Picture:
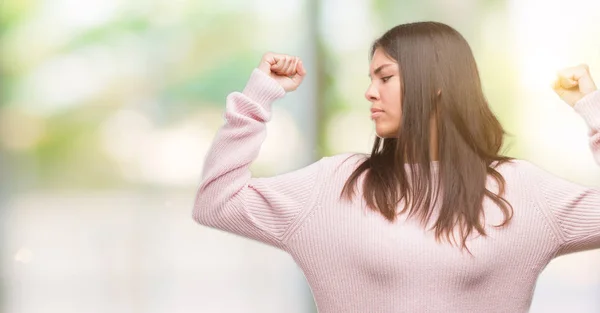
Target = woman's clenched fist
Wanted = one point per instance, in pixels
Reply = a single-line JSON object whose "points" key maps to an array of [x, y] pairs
{"points": [[287, 70], [574, 83]]}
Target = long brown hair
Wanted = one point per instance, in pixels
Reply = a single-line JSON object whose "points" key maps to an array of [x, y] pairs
{"points": [[431, 57]]}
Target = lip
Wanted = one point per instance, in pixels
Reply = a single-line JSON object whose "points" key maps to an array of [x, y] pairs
{"points": [[376, 112]]}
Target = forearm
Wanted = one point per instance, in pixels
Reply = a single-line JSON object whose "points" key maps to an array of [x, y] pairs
{"points": [[236, 145], [589, 108]]}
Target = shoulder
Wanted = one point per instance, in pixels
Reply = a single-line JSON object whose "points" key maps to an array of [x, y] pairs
{"points": [[344, 161], [340, 165], [527, 172], [515, 166]]}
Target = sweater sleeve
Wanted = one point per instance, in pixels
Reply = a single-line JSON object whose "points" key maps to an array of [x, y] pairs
{"points": [[589, 108], [573, 209], [228, 198]]}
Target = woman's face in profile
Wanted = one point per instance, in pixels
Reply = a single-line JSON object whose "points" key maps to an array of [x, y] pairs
{"points": [[384, 93]]}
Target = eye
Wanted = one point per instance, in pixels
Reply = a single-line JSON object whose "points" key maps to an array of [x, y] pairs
{"points": [[385, 79]]}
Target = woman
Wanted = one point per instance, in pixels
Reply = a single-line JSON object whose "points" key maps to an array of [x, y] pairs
{"points": [[434, 219]]}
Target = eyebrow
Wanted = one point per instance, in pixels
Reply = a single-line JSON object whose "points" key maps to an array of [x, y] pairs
{"points": [[377, 70]]}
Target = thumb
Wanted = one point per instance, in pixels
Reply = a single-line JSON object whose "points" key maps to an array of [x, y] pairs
{"points": [[567, 82]]}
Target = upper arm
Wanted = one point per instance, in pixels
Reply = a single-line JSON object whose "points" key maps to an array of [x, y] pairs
{"points": [[573, 208], [266, 208]]}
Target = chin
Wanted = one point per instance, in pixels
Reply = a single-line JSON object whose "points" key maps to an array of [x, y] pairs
{"points": [[386, 132]]}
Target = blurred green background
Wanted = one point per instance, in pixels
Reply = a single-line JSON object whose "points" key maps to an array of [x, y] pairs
{"points": [[108, 108]]}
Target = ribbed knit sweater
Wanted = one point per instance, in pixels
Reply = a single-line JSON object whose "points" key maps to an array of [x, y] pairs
{"points": [[357, 261]]}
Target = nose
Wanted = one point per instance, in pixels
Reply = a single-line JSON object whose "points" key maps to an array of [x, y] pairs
{"points": [[371, 94]]}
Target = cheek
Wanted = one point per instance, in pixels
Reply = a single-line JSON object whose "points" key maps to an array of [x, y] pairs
{"points": [[392, 101]]}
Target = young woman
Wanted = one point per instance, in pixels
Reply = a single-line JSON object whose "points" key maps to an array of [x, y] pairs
{"points": [[434, 219]]}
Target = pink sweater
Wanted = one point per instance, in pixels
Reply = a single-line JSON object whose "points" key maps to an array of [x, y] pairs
{"points": [[355, 260]]}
